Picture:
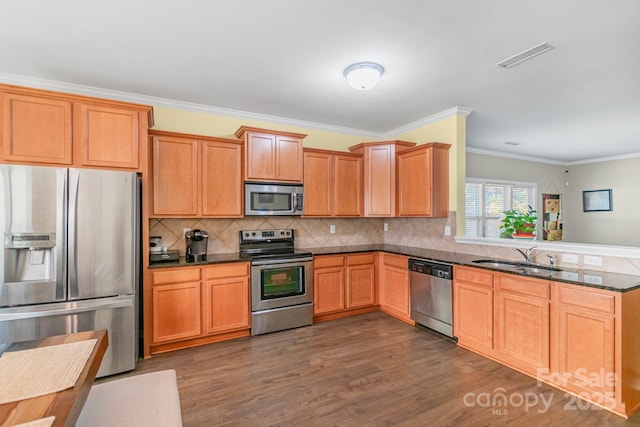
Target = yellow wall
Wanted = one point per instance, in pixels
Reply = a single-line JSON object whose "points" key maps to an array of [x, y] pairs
{"points": [[451, 130], [225, 126]]}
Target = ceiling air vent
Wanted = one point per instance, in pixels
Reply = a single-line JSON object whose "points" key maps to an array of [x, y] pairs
{"points": [[524, 55]]}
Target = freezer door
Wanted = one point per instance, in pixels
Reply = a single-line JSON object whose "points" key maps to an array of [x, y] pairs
{"points": [[116, 315], [103, 233], [33, 224]]}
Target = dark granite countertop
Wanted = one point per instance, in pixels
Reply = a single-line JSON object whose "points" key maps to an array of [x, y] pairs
{"points": [[595, 279]]}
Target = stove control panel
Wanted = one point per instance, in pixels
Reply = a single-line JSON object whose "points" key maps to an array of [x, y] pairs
{"points": [[262, 235]]}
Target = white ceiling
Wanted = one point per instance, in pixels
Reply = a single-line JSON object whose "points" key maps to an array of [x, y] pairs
{"points": [[285, 58]]}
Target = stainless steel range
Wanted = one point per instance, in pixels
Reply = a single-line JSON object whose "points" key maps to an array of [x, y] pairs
{"points": [[281, 280]]}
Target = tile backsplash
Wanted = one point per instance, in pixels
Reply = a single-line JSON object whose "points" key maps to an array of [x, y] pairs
{"points": [[315, 232], [309, 232]]}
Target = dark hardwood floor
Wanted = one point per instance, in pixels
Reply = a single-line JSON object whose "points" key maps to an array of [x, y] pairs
{"points": [[367, 370]]}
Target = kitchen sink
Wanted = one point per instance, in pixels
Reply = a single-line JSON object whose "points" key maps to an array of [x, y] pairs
{"points": [[523, 267]]}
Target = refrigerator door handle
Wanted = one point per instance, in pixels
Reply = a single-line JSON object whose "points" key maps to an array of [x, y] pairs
{"points": [[61, 239], [72, 272], [67, 309]]}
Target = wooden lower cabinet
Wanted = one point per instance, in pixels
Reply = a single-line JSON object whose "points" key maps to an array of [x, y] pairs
{"points": [[226, 298], [394, 286], [343, 285], [178, 311], [585, 326], [199, 305], [473, 308], [522, 322], [580, 339]]}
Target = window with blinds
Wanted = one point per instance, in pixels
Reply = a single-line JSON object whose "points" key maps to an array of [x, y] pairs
{"points": [[485, 200]]}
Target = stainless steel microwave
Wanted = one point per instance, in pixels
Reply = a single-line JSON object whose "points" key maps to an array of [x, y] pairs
{"points": [[273, 199]]}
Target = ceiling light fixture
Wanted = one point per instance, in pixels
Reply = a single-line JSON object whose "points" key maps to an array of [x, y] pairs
{"points": [[363, 75], [524, 55]]}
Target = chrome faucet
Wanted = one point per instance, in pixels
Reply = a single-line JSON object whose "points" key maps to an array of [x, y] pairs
{"points": [[552, 260], [527, 254]]}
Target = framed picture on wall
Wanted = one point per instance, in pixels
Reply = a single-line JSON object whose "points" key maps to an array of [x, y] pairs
{"points": [[596, 200]]}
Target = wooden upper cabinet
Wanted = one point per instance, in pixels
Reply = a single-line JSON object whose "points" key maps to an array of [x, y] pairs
{"points": [[348, 186], [108, 136], [271, 155], [380, 175], [36, 129], [40, 126], [423, 181], [196, 176], [318, 183], [174, 163], [221, 178], [289, 164], [332, 183]]}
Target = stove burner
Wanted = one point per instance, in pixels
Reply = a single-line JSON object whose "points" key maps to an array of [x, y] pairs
{"points": [[269, 244]]}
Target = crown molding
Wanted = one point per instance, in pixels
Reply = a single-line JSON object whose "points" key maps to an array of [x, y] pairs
{"points": [[476, 150], [604, 159], [451, 112], [513, 156], [201, 108]]}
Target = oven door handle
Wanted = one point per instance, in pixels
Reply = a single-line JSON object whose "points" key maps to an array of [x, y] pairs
{"points": [[282, 261]]}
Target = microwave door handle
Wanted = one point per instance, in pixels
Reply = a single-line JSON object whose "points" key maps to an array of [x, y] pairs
{"points": [[294, 202]]}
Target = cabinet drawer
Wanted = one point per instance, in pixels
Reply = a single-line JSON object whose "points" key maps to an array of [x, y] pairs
{"points": [[328, 261], [516, 284], [176, 276], [473, 275], [396, 261], [589, 299], [360, 259], [227, 270]]}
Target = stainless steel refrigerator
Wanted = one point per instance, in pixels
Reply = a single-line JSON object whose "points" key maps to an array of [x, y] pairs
{"points": [[70, 257]]}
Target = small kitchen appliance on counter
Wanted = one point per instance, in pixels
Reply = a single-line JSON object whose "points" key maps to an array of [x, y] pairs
{"points": [[196, 245], [155, 244], [164, 256]]}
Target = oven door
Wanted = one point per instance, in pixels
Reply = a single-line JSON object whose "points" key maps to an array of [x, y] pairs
{"points": [[281, 283]]}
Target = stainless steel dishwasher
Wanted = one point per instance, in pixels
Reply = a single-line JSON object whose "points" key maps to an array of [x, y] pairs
{"points": [[431, 294]]}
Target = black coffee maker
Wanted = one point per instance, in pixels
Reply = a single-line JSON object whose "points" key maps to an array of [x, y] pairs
{"points": [[196, 245]]}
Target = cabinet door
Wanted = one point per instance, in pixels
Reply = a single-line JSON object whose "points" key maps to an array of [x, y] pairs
{"points": [[36, 129], [394, 286], [360, 288], [522, 331], [221, 179], [260, 157], [226, 304], [289, 163], [107, 136], [379, 181], [317, 184], [586, 350], [473, 315], [414, 183], [175, 176], [176, 311], [328, 290], [348, 186]]}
